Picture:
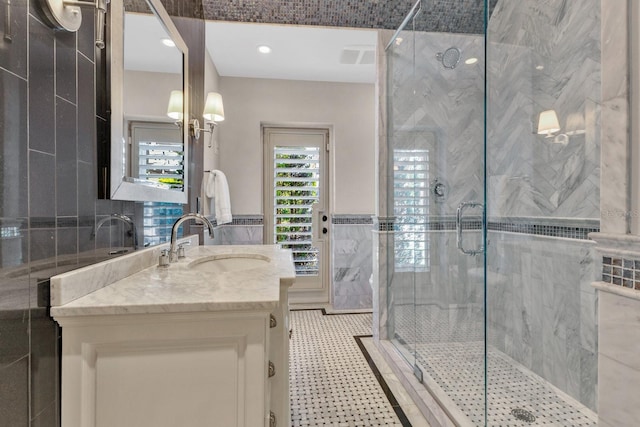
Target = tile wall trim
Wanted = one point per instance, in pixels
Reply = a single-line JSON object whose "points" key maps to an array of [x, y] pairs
{"points": [[564, 230], [242, 220], [621, 271], [551, 227], [352, 219]]}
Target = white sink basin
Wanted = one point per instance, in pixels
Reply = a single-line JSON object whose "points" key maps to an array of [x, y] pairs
{"points": [[224, 263]]}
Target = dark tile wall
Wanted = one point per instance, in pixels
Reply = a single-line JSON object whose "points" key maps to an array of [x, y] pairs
{"points": [[53, 114]]}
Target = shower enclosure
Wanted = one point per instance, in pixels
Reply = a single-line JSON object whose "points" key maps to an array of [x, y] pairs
{"points": [[488, 263]]}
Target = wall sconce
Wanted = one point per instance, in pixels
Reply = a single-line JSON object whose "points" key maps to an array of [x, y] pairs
{"points": [[213, 112], [548, 123], [67, 15], [175, 108]]}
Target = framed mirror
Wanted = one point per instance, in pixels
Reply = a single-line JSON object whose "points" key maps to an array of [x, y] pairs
{"points": [[148, 64]]}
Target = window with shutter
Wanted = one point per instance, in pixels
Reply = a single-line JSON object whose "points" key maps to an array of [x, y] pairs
{"points": [[411, 208], [158, 154]]}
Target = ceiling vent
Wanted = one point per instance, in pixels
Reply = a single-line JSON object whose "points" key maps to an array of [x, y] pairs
{"points": [[358, 55]]}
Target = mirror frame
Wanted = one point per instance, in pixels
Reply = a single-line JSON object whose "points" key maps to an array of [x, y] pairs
{"points": [[120, 187]]}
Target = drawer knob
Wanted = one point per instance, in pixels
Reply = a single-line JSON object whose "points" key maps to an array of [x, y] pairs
{"points": [[272, 369], [272, 419], [272, 321]]}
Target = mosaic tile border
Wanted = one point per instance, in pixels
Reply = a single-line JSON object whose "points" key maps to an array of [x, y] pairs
{"points": [[243, 220], [352, 219], [552, 227], [621, 272], [460, 16], [569, 232]]}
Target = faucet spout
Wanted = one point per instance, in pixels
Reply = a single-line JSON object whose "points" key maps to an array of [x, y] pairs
{"points": [[122, 218], [173, 250]]}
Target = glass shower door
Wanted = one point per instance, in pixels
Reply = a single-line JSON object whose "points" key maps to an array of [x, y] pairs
{"points": [[435, 193]]}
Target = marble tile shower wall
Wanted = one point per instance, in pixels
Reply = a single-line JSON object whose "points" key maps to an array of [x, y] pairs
{"points": [[430, 116], [351, 261], [540, 305], [541, 308], [543, 58]]}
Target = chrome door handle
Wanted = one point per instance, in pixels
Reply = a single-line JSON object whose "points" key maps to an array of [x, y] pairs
{"points": [[461, 207]]}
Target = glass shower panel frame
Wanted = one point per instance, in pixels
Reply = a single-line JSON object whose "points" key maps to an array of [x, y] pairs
{"points": [[402, 172]]}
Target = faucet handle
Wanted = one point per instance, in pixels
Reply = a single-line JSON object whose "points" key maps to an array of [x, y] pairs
{"points": [[181, 246], [163, 261]]}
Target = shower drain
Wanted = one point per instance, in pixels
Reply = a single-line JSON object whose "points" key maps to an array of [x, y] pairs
{"points": [[523, 415]]}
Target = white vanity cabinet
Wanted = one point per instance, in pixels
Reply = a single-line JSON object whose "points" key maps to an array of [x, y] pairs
{"points": [[175, 364]]}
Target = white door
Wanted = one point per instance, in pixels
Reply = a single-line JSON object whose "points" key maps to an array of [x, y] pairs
{"points": [[296, 205]]}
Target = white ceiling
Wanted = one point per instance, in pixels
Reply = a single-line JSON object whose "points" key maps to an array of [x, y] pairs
{"points": [[298, 52], [143, 48]]}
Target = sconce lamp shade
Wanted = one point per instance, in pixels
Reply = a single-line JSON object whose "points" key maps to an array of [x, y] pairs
{"points": [[575, 124], [548, 123], [213, 108], [176, 105]]}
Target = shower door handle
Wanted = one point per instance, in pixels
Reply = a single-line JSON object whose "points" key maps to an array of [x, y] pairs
{"points": [[461, 207]]}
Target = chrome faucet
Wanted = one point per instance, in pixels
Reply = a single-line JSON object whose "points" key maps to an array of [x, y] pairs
{"points": [[173, 251], [123, 218]]}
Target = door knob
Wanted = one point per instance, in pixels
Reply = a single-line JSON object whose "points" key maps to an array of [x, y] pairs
{"points": [[324, 230], [324, 217]]}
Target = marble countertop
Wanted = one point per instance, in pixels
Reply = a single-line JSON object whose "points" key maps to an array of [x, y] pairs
{"points": [[178, 288]]}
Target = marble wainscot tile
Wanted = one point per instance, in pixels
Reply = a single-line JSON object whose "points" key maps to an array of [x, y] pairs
{"points": [[379, 285], [75, 284], [240, 234], [619, 346], [352, 266], [620, 325], [181, 288], [541, 307]]}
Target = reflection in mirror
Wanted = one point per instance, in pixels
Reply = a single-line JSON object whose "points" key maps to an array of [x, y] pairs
{"points": [[148, 154]]}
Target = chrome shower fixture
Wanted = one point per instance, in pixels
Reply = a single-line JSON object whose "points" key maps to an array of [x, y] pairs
{"points": [[449, 58]]}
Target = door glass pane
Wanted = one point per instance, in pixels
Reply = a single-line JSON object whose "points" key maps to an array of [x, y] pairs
{"points": [[296, 188]]}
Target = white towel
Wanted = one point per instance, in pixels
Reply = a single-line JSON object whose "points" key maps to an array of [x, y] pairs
{"points": [[205, 190], [218, 188]]}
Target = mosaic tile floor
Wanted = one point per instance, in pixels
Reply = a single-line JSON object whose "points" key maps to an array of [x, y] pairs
{"points": [[454, 359], [331, 383]]}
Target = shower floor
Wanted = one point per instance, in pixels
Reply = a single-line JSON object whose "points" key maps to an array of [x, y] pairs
{"points": [[453, 359]]}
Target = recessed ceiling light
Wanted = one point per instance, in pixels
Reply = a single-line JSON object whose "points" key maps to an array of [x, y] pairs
{"points": [[168, 42], [539, 67], [264, 49], [471, 61]]}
